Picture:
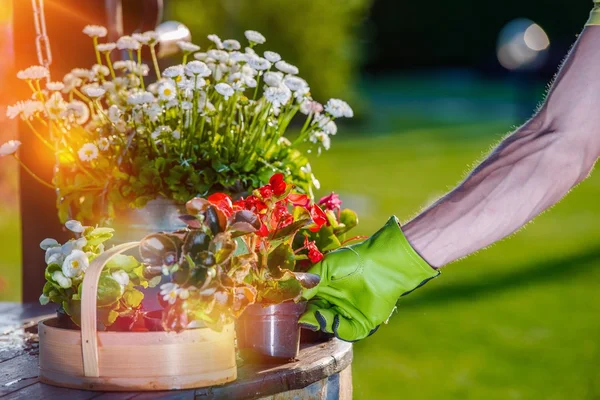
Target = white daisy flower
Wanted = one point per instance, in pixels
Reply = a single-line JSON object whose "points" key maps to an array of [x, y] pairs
{"points": [[54, 255], [216, 40], [231, 44], [272, 56], [140, 97], [26, 109], [330, 128], [166, 91], [79, 111], [103, 144], [283, 141], [187, 47], [218, 55], [128, 43], [55, 86], [95, 31], [114, 114], [93, 91], [154, 111], [33, 72], [176, 134], [278, 96], [9, 148], [250, 51], [323, 138], [174, 71], [237, 57], [75, 264], [225, 90], [122, 277], [62, 280], [197, 68], [259, 63], [200, 56], [48, 243], [83, 73], [338, 108], [98, 69], [309, 106], [255, 37], [56, 106], [151, 37], [106, 47], [88, 152], [170, 292], [286, 67], [294, 83]]}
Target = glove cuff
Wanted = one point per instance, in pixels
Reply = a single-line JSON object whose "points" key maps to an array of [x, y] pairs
{"points": [[411, 269], [594, 15]]}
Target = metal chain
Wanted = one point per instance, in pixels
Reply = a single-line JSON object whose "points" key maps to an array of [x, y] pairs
{"points": [[42, 43]]}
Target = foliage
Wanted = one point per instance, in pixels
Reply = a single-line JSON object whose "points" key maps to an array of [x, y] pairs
{"points": [[216, 123], [233, 254], [118, 293]]}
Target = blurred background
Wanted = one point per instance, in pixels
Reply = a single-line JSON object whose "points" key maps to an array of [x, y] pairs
{"points": [[434, 85]]}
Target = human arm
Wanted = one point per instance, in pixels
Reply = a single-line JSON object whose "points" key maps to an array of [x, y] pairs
{"points": [[528, 172]]}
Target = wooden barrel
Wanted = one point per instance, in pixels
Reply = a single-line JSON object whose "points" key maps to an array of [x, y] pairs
{"points": [[132, 361]]}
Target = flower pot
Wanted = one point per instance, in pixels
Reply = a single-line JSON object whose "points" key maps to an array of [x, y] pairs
{"points": [[131, 361], [270, 332]]}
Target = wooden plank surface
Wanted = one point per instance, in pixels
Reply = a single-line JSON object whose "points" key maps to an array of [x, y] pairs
{"points": [[316, 362]]}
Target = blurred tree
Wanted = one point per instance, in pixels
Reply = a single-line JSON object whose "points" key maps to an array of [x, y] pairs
{"points": [[318, 36]]}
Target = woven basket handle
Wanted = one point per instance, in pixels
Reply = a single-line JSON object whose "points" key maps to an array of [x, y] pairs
{"points": [[89, 291]]}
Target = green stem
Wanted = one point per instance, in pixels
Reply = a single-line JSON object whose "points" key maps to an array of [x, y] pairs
{"points": [[98, 58], [32, 174], [110, 66], [155, 61]]}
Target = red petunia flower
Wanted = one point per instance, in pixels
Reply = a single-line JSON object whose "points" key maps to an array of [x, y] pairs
{"points": [[222, 202], [314, 254], [278, 184], [318, 216], [331, 202]]}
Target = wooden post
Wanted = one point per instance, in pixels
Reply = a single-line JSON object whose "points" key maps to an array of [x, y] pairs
{"points": [[65, 20]]}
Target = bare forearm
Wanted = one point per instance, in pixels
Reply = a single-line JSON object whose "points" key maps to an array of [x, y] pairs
{"points": [[528, 172]]}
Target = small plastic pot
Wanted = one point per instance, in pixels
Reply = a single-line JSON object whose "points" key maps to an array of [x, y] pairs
{"points": [[272, 333]]}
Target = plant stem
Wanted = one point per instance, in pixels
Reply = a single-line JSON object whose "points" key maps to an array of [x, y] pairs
{"points": [[110, 66], [98, 58], [155, 61], [32, 174]]}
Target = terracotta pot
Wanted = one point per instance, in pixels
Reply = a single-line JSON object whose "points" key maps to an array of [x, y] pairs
{"points": [[270, 332]]}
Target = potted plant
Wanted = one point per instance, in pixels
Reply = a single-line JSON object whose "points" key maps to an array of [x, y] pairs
{"points": [[217, 122], [119, 298], [285, 233]]}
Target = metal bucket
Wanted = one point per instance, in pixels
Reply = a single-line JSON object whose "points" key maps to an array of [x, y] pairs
{"points": [[271, 331]]}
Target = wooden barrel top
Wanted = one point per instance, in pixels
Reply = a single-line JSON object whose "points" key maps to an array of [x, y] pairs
{"points": [[19, 367]]}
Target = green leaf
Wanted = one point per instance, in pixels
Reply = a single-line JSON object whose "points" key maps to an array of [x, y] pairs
{"points": [[326, 239], [133, 298], [223, 247], [106, 316], [291, 229], [109, 291], [349, 219], [50, 269], [122, 262], [281, 258]]}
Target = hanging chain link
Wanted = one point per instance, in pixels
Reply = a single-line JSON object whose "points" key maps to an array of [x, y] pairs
{"points": [[42, 43]]}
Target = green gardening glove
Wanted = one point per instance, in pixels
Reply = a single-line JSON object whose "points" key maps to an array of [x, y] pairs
{"points": [[360, 284]]}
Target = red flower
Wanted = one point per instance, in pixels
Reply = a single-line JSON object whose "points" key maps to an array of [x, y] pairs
{"points": [[263, 231], [318, 216], [300, 200], [331, 202], [314, 254], [281, 216], [278, 184], [251, 203], [222, 202], [266, 192]]}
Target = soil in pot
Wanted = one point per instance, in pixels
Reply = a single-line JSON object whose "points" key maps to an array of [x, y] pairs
{"points": [[270, 334]]}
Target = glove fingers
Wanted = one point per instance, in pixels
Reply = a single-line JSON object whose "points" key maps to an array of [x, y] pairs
{"points": [[309, 318], [349, 330]]}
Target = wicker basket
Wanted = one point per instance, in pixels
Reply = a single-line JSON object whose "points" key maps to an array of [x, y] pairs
{"points": [[132, 361]]}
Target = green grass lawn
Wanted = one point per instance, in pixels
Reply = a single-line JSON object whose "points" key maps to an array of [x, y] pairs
{"points": [[516, 321]]}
